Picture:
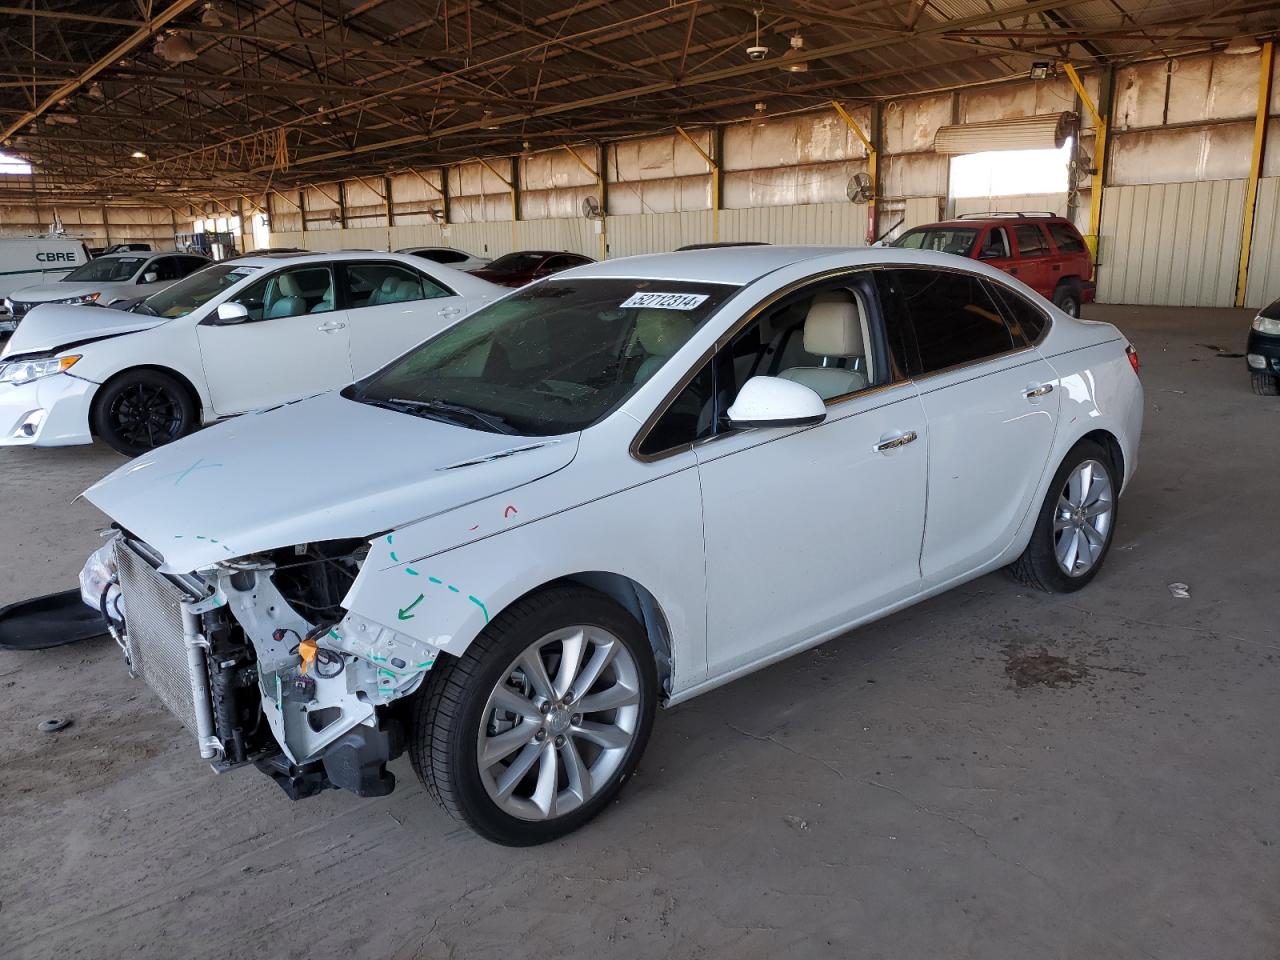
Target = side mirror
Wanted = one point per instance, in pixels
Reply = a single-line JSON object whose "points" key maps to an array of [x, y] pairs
{"points": [[230, 313], [774, 402], [150, 277]]}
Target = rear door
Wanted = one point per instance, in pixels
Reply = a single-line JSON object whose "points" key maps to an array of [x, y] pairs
{"points": [[1036, 262], [992, 411], [392, 307], [293, 344]]}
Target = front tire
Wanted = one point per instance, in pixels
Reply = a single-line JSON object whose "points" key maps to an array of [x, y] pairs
{"points": [[139, 410], [1265, 384], [537, 726], [1076, 523]]}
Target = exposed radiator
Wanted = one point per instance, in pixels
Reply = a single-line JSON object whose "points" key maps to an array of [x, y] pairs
{"points": [[154, 633]]}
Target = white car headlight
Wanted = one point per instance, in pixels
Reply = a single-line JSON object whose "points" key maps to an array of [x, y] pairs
{"points": [[85, 298], [24, 371], [1267, 325]]}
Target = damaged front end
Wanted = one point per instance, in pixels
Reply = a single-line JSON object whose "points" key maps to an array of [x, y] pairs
{"points": [[258, 658]]}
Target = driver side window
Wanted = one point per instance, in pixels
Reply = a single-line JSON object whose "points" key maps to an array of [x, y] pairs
{"points": [[822, 336], [289, 293]]}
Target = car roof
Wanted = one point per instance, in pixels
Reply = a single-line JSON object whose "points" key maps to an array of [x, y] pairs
{"points": [[132, 254], [735, 265], [320, 256], [996, 220]]}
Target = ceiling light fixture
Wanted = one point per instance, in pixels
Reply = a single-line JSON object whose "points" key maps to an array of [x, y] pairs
{"points": [[790, 61], [175, 48], [1243, 45], [211, 16], [1041, 70], [138, 155], [487, 121], [758, 51]]}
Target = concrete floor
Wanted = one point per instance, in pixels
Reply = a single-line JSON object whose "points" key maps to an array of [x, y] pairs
{"points": [[891, 794]]}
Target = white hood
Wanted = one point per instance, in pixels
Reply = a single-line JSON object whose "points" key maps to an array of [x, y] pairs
{"points": [[62, 290], [326, 468], [52, 325]]}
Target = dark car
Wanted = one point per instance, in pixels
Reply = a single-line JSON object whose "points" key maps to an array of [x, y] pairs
{"points": [[1044, 251], [1263, 352], [722, 243], [525, 266]]}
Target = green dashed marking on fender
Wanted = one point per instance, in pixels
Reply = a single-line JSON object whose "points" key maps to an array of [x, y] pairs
{"points": [[453, 589], [423, 665], [377, 659], [435, 579], [410, 571], [394, 558], [483, 608]]}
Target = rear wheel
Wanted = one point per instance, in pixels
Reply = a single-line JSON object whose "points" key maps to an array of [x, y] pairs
{"points": [[1067, 298], [1076, 523], [1265, 384], [532, 731], [143, 409]]}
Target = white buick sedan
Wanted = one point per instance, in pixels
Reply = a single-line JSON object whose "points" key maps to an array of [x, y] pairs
{"points": [[236, 336], [618, 487]]}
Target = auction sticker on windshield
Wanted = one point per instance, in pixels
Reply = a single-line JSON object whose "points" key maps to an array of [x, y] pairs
{"points": [[665, 301]]}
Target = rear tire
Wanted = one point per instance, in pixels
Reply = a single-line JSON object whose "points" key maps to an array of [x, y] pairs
{"points": [[1265, 384], [139, 410], [1067, 298], [516, 752], [1076, 523]]}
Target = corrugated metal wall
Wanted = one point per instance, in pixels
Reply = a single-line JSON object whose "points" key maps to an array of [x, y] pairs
{"points": [[1172, 210], [1264, 256], [1171, 244]]}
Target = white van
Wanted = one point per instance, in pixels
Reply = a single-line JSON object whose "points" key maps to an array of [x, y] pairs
{"points": [[28, 260]]}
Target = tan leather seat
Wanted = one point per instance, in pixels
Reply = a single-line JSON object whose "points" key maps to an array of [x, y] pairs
{"points": [[661, 333], [835, 328]]}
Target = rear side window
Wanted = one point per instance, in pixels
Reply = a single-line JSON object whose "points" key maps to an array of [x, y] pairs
{"points": [[1024, 319], [1067, 239], [953, 316], [1031, 241]]}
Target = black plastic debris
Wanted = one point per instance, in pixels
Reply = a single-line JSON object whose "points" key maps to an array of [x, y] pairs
{"points": [[49, 621]]}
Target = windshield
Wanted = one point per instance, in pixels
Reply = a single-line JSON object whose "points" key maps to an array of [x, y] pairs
{"points": [[517, 262], [105, 270], [195, 290], [553, 358], [958, 240]]}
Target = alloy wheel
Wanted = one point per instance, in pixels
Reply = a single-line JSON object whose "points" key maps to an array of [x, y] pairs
{"points": [[559, 723], [146, 415], [1082, 518]]}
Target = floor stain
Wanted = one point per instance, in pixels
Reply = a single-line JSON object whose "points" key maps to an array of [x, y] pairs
{"points": [[1044, 669]]}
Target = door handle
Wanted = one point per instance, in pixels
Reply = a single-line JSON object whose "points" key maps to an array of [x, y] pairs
{"points": [[1036, 390], [892, 441], [332, 326], [450, 312]]}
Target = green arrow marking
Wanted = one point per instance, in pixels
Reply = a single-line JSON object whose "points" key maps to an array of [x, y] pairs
{"points": [[404, 613]]}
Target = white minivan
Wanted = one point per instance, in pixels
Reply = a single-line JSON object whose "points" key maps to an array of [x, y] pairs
{"points": [[28, 260]]}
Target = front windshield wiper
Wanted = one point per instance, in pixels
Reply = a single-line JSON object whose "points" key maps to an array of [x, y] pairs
{"points": [[427, 407], [141, 307]]}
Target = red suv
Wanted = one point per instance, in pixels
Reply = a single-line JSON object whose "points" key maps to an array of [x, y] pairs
{"points": [[1044, 251]]}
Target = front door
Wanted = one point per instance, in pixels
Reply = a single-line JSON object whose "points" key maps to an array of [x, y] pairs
{"points": [[809, 529], [1036, 261], [293, 344]]}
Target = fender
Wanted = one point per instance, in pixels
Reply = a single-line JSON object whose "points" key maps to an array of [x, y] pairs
{"points": [[527, 538]]}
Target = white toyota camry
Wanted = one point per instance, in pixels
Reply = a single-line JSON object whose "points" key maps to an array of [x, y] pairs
{"points": [[236, 336], [615, 488]]}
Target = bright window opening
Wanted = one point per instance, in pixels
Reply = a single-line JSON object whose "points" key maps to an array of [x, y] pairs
{"points": [[11, 166], [1006, 173]]}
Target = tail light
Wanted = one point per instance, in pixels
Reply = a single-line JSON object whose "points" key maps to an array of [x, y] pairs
{"points": [[1132, 353]]}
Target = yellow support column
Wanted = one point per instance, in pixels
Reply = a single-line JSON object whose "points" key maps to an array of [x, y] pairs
{"points": [[1266, 62], [872, 167], [1100, 128], [604, 243], [715, 184]]}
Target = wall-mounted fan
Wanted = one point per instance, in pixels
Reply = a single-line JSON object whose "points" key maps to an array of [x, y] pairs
{"points": [[859, 189], [591, 209]]}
